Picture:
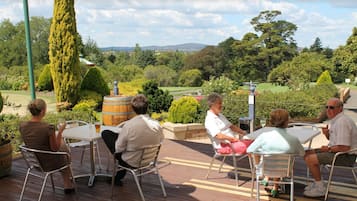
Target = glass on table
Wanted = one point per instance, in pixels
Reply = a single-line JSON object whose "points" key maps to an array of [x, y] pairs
{"points": [[97, 126], [60, 122]]}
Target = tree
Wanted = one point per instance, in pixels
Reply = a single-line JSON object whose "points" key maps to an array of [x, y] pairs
{"points": [[63, 53], [316, 46], [158, 99], [190, 78], [92, 52], [276, 39], [300, 71], [146, 58], [345, 58], [210, 61], [163, 75], [12, 47], [40, 31]]}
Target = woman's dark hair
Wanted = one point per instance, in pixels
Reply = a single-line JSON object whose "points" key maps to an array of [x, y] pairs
{"points": [[139, 104], [36, 106]]}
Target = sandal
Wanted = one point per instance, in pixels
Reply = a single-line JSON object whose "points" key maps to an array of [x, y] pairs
{"points": [[264, 182], [274, 193]]}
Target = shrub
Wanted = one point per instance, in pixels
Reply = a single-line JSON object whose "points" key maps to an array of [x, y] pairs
{"points": [[87, 95], [159, 100], [190, 78], [1, 102], [45, 80], [184, 110], [85, 105], [324, 78], [221, 85], [94, 81]]}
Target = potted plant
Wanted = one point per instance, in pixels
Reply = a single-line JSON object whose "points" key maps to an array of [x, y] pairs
{"points": [[5, 151], [5, 145]]}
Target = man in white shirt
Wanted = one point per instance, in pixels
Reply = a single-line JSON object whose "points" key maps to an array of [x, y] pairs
{"points": [[136, 133], [342, 135]]}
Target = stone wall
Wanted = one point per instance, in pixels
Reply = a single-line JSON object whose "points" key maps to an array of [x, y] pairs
{"points": [[184, 131]]}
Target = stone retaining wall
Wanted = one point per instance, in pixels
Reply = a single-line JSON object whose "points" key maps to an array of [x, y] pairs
{"points": [[183, 131]]}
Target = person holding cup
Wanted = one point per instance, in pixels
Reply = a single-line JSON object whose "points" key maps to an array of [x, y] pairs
{"points": [[41, 135], [342, 135]]}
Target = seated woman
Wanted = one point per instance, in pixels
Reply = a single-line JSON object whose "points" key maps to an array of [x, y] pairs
{"points": [[41, 135], [218, 126], [276, 141]]}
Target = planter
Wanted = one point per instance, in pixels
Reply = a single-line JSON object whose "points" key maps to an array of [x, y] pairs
{"points": [[5, 159], [183, 131]]}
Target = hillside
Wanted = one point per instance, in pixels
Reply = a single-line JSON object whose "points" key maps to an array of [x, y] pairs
{"points": [[186, 47]]}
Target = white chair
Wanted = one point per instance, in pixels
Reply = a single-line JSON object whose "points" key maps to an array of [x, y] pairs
{"points": [[235, 156], [332, 167], [148, 164], [35, 168], [273, 166], [85, 145]]}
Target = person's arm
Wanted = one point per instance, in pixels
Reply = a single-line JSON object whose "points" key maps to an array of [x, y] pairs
{"points": [[221, 136], [336, 148], [238, 130], [56, 140], [326, 132]]}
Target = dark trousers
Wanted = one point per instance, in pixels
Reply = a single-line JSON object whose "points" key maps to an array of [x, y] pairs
{"points": [[109, 138]]}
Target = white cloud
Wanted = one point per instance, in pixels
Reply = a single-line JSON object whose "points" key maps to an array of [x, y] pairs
{"points": [[161, 22]]}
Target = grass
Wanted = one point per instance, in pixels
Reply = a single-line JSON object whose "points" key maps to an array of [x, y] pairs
{"points": [[22, 98], [268, 87]]}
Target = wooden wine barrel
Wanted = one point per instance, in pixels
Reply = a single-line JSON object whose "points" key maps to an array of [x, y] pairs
{"points": [[116, 109], [5, 159]]}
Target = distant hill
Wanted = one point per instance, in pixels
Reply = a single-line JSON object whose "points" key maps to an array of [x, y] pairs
{"points": [[186, 47]]}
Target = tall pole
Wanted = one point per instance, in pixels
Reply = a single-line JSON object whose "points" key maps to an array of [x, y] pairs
{"points": [[251, 105], [29, 50]]}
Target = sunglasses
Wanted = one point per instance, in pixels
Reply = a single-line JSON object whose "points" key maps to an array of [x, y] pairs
{"points": [[330, 107]]}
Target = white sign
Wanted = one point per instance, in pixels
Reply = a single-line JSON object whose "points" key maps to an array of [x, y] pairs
{"points": [[251, 99]]}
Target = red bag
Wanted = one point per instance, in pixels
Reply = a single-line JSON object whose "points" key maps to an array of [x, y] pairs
{"points": [[240, 147]]}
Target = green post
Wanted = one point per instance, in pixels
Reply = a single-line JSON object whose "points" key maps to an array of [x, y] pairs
{"points": [[29, 50]]}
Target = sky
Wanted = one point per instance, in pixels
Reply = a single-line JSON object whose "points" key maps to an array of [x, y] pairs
{"points": [[171, 22]]}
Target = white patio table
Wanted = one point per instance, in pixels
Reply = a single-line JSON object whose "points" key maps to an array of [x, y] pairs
{"points": [[87, 133]]}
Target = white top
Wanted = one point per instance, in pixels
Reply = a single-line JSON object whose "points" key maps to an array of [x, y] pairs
{"points": [[303, 134], [343, 131], [215, 124]]}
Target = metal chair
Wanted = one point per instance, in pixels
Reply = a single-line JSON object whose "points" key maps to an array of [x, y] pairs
{"points": [[148, 164], [82, 144], [305, 125], [35, 168], [273, 166], [232, 154], [308, 147], [331, 167]]}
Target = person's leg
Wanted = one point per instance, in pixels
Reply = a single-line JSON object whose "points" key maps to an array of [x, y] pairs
{"points": [[109, 138], [313, 164], [67, 180], [313, 160]]}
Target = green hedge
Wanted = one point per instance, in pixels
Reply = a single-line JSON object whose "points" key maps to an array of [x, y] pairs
{"points": [[307, 105]]}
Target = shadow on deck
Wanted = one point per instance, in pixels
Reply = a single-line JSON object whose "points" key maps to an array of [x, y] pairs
{"points": [[184, 180]]}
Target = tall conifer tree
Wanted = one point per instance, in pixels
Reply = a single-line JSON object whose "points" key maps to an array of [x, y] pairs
{"points": [[63, 52]]}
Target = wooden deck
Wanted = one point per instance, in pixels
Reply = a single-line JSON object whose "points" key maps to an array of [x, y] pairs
{"points": [[184, 180]]}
